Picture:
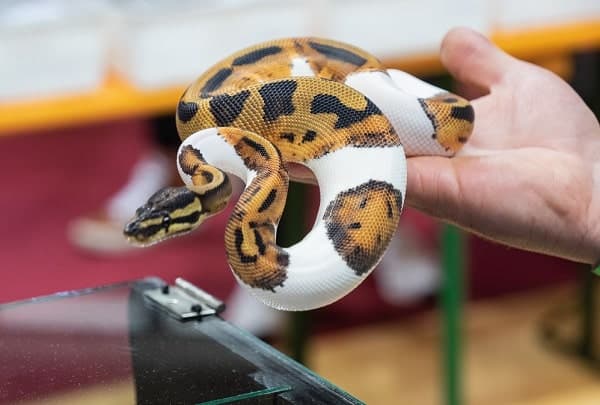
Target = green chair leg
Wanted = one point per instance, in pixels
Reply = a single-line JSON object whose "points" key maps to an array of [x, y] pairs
{"points": [[453, 265], [290, 231], [588, 348]]}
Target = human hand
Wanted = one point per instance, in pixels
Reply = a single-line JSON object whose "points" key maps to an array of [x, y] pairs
{"points": [[529, 177]]}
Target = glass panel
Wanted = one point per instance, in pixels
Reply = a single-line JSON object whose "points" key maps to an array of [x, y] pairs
{"points": [[109, 345], [61, 347]]}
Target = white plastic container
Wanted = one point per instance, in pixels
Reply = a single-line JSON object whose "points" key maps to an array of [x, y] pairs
{"points": [[393, 28], [519, 14], [166, 45], [52, 48]]}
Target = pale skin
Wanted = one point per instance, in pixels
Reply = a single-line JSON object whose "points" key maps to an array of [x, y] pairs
{"points": [[529, 176]]}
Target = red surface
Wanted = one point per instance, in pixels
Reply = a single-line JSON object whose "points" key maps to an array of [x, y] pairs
{"points": [[48, 179]]}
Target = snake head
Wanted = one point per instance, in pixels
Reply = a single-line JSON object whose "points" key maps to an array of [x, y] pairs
{"points": [[169, 212]]}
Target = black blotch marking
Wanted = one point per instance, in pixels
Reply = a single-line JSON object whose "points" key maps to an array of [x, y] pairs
{"points": [[208, 176], [208, 198], [337, 233], [268, 201], [171, 198], [355, 225], [267, 225], [215, 82], [359, 259], [463, 139], [434, 136], [298, 46], [277, 99], [238, 214], [255, 56], [187, 168], [252, 191], [226, 108], [148, 231], [390, 210], [289, 136], [309, 136], [463, 113], [329, 210], [333, 52], [188, 219], [369, 139], [257, 147], [239, 239], [186, 110], [429, 114], [329, 104], [259, 243], [278, 152], [450, 100], [283, 259]]}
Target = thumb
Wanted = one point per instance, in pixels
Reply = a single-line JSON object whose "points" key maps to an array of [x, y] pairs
{"points": [[472, 59]]}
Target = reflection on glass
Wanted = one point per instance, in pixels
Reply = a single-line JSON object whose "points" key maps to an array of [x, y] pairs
{"points": [[109, 346]]}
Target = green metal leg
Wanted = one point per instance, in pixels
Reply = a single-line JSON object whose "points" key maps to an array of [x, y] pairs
{"points": [[290, 231], [588, 310], [453, 265]]}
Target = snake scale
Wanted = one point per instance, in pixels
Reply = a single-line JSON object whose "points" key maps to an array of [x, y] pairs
{"points": [[329, 106]]}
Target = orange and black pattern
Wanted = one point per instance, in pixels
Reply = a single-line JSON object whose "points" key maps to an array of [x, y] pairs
{"points": [[211, 184], [250, 242], [270, 117], [272, 61], [452, 117], [304, 117], [361, 222]]}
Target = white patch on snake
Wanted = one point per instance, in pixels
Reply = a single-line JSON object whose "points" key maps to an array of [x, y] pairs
{"points": [[217, 152], [413, 85], [349, 167], [317, 275], [402, 109], [301, 67]]}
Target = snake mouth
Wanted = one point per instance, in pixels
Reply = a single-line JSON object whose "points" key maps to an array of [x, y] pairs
{"points": [[144, 236], [135, 234]]}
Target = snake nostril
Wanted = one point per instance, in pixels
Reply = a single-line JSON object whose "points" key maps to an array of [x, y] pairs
{"points": [[131, 228]]}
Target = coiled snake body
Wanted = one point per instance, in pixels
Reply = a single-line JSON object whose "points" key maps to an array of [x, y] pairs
{"points": [[323, 104]]}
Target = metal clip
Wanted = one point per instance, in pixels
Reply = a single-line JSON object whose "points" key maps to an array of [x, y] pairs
{"points": [[185, 301]]}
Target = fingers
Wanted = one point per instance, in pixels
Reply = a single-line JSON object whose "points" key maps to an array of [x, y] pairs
{"points": [[473, 59], [432, 186]]}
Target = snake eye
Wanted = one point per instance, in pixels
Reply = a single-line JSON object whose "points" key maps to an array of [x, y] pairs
{"points": [[166, 220]]}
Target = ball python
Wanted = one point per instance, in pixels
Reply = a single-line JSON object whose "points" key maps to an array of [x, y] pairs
{"points": [[329, 106]]}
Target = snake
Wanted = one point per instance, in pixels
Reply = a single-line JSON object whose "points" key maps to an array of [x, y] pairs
{"points": [[322, 104]]}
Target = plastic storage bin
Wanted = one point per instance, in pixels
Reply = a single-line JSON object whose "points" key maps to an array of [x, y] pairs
{"points": [[518, 14], [164, 45], [50, 48]]}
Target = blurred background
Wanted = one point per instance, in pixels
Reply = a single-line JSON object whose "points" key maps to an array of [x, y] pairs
{"points": [[88, 92]]}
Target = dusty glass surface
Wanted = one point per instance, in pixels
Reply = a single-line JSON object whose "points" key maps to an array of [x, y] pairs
{"points": [[109, 345]]}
